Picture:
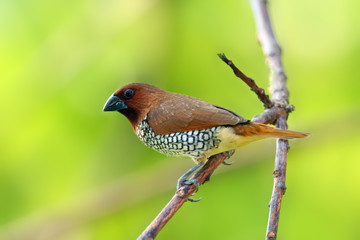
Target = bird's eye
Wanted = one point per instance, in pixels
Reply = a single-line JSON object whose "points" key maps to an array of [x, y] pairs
{"points": [[128, 93]]}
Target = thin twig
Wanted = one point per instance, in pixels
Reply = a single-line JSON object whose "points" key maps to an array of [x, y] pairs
{"points": [[269, 116], [280, 96], [260, 92], [181, 196]]}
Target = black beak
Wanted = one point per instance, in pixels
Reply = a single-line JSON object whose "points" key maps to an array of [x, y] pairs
{"points": [[114, 103]]}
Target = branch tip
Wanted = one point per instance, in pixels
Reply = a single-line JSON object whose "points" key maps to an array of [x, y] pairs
{"points": [[223, 57], [289, 108], [260, 92], [271, 236]]}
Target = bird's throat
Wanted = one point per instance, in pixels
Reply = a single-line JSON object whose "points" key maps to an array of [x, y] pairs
{"points": [[133, 116]]}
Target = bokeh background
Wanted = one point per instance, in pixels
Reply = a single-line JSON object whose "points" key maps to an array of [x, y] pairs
{"points": [[72, 172]]}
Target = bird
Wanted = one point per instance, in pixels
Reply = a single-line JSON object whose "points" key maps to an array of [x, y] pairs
{"points": [[180, 125]]}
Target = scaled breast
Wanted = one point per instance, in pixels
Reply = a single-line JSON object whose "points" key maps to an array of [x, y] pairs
{"points": [[191, 143]]}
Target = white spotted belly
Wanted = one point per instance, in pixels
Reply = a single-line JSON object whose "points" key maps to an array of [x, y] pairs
{"points": [[195, 144]]}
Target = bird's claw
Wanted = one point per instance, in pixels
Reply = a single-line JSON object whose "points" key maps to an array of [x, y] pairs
{"points": [[194, 200], [227, 163], [189, 182], [193, 181], [229, 153], [182, 182]]}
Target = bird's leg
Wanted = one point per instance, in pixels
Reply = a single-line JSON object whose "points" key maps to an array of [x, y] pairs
{"points": [[184, 181], [229, 154]]}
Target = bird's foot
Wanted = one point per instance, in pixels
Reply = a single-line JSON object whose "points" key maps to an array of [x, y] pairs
{"points": [[188, 182], [184, 181], [229, 154]]}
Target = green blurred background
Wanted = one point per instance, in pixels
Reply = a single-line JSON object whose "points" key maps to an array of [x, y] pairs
{"points": [[70, 171]]}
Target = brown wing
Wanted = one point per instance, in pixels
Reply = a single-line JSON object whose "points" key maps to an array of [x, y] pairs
{"points": [[181, 113]]}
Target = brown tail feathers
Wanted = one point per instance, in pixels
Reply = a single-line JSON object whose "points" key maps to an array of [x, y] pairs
{"points": [[262, 130]]}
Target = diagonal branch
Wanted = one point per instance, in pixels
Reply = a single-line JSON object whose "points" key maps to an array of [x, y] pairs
{"points": [[280, 96], [260, 92], [181, 196]]}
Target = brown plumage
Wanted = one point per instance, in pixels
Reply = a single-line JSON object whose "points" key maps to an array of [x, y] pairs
{"points": [[155, 114], [169, 112]]}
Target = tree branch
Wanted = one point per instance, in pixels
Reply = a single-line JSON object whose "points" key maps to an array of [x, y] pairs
{"points": [[181, 196], [280, 96], [260, 92]]}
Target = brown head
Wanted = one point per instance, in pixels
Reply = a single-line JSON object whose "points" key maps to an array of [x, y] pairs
{"points": [[134, 101]]}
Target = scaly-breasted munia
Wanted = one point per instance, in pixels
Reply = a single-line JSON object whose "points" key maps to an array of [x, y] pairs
{"points": [[180, 125]]}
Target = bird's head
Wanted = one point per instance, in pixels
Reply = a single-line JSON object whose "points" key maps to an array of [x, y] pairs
{"points": [[134, 101]]}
